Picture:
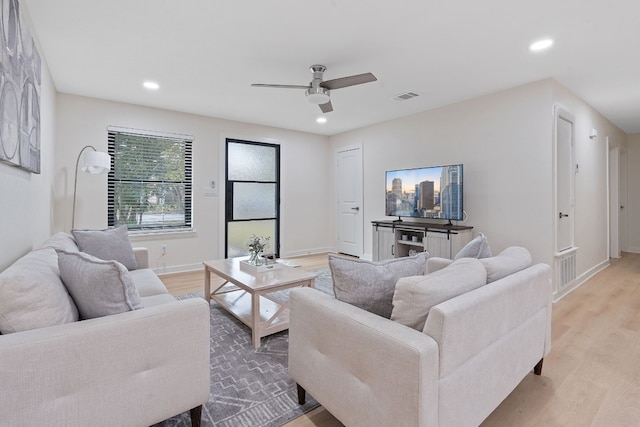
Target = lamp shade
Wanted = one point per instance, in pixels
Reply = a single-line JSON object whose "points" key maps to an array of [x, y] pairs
{"points": [[96, 162]]}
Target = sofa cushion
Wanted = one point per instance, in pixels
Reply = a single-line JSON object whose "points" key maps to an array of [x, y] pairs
{"points": [[61, 240], [153, 300], [109, 244], [32, 295], [98, 287], [370, 285], [476, 248], [509, 261], [147, 282], [414, 296]]}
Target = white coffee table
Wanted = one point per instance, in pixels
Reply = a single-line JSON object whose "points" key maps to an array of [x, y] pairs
{"points": [[247, 296]]}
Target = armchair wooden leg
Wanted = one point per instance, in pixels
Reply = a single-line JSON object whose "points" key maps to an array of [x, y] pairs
{"points": [[538, 368], [196, 416], [302, 394]]}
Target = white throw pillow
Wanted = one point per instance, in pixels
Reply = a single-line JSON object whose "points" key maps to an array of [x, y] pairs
{"points": [[509, 261], [477, 248], [109, 244], [414, 296], [370, 285], [98, 287]]}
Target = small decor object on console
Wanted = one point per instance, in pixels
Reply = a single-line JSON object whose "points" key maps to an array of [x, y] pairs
{"points": [[257, 245]]}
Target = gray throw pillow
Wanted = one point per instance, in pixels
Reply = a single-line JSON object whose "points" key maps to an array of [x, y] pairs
{"points": [[477, 248], [32, 294], [414, 296], [370, 285], [109, 244], [98, 287]]}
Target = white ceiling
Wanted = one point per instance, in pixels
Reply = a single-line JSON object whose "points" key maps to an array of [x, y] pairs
{"points": [[206, 53]]}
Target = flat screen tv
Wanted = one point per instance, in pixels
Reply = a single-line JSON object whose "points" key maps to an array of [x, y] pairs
{"points": [[430, 192]]}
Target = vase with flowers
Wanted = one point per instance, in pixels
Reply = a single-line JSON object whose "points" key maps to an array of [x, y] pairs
{"points": [[256, 245]]}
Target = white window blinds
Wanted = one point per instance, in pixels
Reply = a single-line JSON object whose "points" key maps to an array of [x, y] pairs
{"points": [[149, 185]]}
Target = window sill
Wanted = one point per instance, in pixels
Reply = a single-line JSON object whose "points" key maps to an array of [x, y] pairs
{"points": [[161, 234]]}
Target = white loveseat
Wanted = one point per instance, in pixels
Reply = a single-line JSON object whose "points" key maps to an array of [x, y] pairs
{"points": [[474, 350], [134, 368]]}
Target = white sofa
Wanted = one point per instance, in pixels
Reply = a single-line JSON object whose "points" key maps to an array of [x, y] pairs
{"points": [[135, 368], [474, 350]]}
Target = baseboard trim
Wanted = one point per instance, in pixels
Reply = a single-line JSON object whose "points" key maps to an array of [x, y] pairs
{"points": [[306, 252], [178, 269], [582, 279]]}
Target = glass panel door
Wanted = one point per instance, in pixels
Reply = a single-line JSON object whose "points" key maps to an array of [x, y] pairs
{"points": [[252, 202]]}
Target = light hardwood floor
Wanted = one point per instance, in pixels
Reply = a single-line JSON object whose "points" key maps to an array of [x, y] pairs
{"points": [[592, 375]]}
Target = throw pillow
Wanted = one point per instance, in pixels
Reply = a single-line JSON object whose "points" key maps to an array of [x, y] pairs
{"points": [[32, 295], [109, 244], [477, 248], [414, 296], [509, 261], [98, 287], [370, 285]]}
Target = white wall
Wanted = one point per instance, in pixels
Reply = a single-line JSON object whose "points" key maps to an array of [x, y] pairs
{"points": [[633, 202], [25, 198], [591, 193], [305, 172], [503, 140]]}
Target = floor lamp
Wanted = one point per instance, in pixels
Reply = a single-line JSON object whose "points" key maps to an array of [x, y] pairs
{"points": [[95, 162]]}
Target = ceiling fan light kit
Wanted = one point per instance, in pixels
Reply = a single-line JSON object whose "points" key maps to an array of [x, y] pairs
{"points": [[317, 91], [317, 95]]}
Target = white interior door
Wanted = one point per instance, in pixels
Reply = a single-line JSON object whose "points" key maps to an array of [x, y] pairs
{"points": [[349, 193], [614, 202], [564, 180]]}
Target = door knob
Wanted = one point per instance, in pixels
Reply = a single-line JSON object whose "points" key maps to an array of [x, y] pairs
{"points": [[357, 208], [561, 215]]}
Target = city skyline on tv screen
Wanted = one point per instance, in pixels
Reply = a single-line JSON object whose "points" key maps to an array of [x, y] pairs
{"points": [[431, 192]]}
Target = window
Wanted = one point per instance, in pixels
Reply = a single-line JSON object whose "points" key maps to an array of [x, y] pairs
{"points": [[149, 184], [252, 202]]}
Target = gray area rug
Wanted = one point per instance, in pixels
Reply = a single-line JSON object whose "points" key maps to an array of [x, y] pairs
{"points": [[249, 387]]}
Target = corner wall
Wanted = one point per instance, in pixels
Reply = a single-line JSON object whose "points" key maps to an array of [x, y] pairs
{"points": [[504, 142], [591, 182], [633, 200], [305, 171], [25, 198]]}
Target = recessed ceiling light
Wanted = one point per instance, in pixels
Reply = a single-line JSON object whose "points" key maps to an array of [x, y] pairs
{"points": [[151, 85], [321, 120], [540, 45]]}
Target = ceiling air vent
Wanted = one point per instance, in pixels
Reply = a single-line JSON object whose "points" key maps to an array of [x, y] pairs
{"points": [[405, 96]]}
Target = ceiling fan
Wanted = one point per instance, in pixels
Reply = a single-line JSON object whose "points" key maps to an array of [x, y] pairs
{"points": [[317, 91]]}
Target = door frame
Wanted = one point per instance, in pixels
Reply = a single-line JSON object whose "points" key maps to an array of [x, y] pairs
{"points": [[561, 113], [613, 189], [221, 194], [360, 226]]}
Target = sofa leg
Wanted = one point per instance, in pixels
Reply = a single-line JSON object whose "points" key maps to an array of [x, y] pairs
{"points": [[196, 416], [302, 394], [538, 368]]}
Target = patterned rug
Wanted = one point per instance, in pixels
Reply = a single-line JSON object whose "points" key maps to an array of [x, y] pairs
{"points": [[249, 387]]}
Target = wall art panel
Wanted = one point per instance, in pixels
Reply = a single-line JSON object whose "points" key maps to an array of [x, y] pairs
{"points": [[20, 81]]}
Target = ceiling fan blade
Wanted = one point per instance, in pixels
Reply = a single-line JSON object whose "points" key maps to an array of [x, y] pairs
{"points": [[341, 82], [326, 108], [281, 86]]}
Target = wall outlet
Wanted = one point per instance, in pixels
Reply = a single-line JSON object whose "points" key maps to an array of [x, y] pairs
{"points": [[163, 249]]}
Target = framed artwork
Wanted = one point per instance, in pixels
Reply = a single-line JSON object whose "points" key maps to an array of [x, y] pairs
{"points": [[20, 81]]}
